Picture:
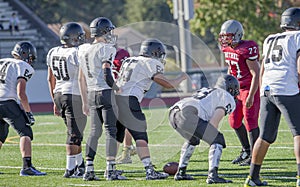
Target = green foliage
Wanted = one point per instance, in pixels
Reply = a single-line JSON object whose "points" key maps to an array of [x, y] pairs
{"points": [[121, 12], [259, 18]]}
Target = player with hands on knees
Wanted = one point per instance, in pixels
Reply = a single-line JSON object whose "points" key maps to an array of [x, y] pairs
{"points": [[197, 118], [15, 73]]}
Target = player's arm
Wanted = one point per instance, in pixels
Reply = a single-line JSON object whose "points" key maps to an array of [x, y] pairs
{"points": [[108, 77], [51, 84], [262, 70], [298, 67], [83, 92], [160, 79], [217, 117], [21, 91], [253, 66]]}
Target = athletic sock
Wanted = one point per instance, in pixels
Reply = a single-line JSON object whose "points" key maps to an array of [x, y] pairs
{"points": [[71, 162], [27, 162]]}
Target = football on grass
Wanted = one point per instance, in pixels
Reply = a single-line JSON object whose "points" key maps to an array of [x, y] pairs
{"points": [[171, 168]]}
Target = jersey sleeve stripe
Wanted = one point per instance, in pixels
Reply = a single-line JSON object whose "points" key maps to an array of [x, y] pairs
{"points": [[253, 57], [21, 77]]}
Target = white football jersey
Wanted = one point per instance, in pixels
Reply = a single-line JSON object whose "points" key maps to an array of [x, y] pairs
{"points": [[280, 54], [91, 57], [64, 65], [136, 75], [10, 71], [207, 100]]}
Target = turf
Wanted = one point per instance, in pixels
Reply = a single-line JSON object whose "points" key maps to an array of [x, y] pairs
{"points": [[279, 167]]}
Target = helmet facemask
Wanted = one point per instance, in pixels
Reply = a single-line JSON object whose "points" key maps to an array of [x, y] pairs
{"points": [[110, 38]]}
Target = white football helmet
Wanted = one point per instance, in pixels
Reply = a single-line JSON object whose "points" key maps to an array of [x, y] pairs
{"points": [[231, 33]]}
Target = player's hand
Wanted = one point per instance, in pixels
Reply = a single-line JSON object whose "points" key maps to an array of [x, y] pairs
{"points": [[30, 118], [85, 109], [55, 110], [249, 102]]}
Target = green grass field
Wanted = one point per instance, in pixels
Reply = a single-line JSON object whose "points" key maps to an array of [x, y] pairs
{"points": [[279, 167]]}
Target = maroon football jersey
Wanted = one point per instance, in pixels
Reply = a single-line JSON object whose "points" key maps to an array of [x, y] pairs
{"points": [[236, 59]]}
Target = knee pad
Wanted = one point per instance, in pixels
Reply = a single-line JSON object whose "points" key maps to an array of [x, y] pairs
{"points": [[3, 131], [74, 140], [120, 132], [194, 141], [220, 140], [139, 135]]}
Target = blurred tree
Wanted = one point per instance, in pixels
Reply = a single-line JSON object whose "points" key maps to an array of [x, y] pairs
{"points": [[258, 17], [120, 12]]}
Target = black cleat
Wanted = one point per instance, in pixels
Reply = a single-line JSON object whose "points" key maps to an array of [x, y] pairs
{"points": [[242, 157], [90, 176], [181, 175]]}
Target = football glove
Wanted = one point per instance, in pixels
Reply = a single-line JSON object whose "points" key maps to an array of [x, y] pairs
{"points": [[30, 118]]}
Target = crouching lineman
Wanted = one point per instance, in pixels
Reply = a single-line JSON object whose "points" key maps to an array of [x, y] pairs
{"points": [[15, 72], [198, 117]]}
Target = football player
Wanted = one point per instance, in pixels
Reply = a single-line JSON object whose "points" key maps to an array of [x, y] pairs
{"points": [[242, 57], [136, 76], [97, 87], [15, 72], [279, 91], [63, 67], [128, 148], [198, 117]]}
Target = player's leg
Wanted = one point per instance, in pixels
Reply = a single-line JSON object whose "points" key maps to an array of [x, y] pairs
{"points": [[251, 123], [132, 117], [289, 106], [14, 116], [109, 114], [127, 151], [235, 121], [269, 122]]}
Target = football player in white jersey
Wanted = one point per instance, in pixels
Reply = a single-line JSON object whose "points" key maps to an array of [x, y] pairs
{"points": [[15, 72], [97, 87], [136, 77], [63, 68], [197, 118], [279, 91]]}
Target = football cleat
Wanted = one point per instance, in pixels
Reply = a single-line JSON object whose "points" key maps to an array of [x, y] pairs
{"points": [[114, 175], [79, 171], [242, 157], [181, 175], [246, 162], [90, 176], [213, 177], [151, 174], [125, 158], [257, 182], [31, 171], [69, 173]]}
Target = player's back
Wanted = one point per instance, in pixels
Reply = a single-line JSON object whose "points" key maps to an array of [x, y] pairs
{"points": [[64, 64], [136, 75], [91, 57], [280, 66], [207, 100]]}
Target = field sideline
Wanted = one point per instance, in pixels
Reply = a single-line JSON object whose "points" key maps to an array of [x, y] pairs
{"points": [[279, 167]]}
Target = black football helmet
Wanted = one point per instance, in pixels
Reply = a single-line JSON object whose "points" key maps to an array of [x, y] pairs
{"points": [[102, 27], [290, 19], [153, 48], [231, 33], [229, 83], [25, 50], [72, 34]]}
